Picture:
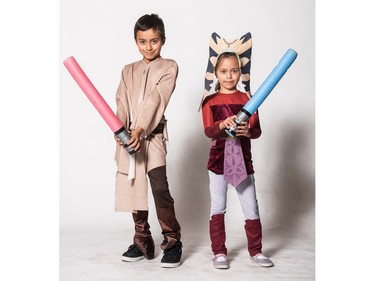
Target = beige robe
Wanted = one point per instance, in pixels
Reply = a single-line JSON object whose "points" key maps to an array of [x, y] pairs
{"points": [[142, 97]]}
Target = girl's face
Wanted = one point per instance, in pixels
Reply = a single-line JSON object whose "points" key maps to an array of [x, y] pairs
{"points": [[149, 44], [228, 73]]}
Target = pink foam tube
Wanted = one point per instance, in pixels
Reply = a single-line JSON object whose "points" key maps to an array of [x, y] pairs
{"points": [[97, 100], [92, 93]]}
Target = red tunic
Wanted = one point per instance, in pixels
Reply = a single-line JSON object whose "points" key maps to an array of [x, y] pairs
{"points": [[217, 108]]}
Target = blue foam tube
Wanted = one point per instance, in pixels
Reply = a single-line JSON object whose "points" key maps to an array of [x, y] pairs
{"points": [[264, 90]]}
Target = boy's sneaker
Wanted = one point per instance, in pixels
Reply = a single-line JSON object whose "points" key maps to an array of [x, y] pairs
{"points": [[220, 261], [172, 256], [132, 254], [262, 260]]}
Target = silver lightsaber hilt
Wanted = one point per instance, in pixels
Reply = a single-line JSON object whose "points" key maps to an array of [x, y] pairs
{"points": [[242, 116], [124, 136]]}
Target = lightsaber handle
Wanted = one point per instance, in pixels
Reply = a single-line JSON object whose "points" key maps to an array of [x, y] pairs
{"points": [[264, 90], [242, 116], [124, 136], [98, 102]]}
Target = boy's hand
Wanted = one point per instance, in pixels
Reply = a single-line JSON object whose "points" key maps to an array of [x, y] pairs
{"points": [[119, 142], [135, 139]]}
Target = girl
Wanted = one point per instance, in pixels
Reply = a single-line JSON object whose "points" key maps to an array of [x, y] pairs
{"points": [[219, 111]]}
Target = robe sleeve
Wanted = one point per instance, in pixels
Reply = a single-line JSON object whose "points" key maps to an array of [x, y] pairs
{"points": [[152, 108], [121, 102]]}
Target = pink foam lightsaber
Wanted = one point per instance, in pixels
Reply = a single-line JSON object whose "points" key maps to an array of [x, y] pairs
{"points": [[99, 103]]}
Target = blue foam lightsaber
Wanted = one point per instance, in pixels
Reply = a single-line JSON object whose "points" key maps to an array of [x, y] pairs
{"points": [[263, 91]]}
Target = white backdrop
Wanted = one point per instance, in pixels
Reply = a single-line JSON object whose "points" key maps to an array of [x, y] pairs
{"points": [[99, 34]]}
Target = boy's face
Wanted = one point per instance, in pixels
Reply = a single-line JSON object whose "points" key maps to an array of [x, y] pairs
{"points": [[149, 44]]}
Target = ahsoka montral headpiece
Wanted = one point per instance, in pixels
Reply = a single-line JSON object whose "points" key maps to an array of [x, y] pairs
{"points": [[242, 48]]}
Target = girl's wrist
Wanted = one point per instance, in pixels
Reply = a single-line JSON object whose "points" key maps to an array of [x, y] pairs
{"points": [[221, 126]]}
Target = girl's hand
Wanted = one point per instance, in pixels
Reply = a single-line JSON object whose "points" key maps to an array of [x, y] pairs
{"points": [[244, 130], [227, 123]]}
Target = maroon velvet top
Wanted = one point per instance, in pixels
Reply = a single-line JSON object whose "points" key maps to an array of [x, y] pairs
{"points": [[217, 108]]}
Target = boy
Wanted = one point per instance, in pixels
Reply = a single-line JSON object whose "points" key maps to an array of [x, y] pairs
{"points": [[142, 97]]}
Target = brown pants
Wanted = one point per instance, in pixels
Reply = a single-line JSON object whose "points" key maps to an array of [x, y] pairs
{"points": [[165, 212]]}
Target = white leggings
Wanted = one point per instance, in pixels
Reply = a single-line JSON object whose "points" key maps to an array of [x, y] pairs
{"points": [[245, 191]]}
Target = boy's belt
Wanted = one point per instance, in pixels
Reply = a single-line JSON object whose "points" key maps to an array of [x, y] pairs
{"points": [[158, 130]]}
